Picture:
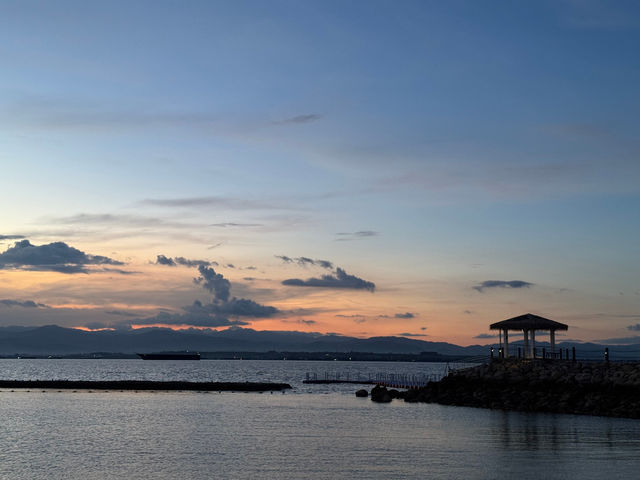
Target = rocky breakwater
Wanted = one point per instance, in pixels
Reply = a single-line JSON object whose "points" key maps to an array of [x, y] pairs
{"points": [[606, 389]]}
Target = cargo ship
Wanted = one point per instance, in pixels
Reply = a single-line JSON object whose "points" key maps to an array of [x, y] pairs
{"points": [[169, 356]]}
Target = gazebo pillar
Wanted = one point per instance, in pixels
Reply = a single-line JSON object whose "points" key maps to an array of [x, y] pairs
{"points": [[533, 343], [506, 343], [526, 343], [552, 340]]}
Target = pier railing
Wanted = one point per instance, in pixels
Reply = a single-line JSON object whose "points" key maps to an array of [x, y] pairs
{"points": [[388, 379]]}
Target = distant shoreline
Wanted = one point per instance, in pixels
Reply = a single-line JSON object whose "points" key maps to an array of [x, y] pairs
{"points": [[428, 357]]}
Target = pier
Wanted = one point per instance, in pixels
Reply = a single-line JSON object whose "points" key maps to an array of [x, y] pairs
{"points": [[387, 379]]}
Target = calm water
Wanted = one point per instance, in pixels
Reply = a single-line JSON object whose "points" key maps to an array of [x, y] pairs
{"points": [[316, 434]]}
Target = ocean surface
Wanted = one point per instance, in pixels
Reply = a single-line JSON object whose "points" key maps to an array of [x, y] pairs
{"points": [[310, 432]]}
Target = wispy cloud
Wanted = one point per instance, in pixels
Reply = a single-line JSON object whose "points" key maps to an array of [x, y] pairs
{"points": [[598, 14], [347, 236], [121, 313], [213, 201], [486, 335], [298, 119], [514, 284], [236, 225]]}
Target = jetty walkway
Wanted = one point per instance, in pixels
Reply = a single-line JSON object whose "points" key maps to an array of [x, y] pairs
{"points": [[391, 380]]}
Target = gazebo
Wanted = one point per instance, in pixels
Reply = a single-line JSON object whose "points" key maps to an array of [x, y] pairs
{"points": [[528, 323]]}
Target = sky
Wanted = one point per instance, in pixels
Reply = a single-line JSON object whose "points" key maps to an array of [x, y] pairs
{"points": [[365, 168]]}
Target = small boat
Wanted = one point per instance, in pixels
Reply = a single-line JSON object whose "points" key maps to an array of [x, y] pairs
{"points": [[169, 356]]}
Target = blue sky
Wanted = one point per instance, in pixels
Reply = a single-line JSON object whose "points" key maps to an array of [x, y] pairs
{"points": [[426, 147]]}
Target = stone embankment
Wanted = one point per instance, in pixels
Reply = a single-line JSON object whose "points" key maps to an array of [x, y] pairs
{"points": [[606, 389], [144, 385]]}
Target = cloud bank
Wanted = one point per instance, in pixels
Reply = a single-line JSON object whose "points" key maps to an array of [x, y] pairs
{"points": [[55, 257], [219, 312], [25, 304]]}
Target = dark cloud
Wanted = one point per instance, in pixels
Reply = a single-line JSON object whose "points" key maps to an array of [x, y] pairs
{"points": [[26, 303], [236, 307], [172, 262], [197, 319], [468, 312], [306, 118], [249, 279], [306, 261], [412, 335], [193, 263], [307, 322], [634, 328], [214, 283], [345, 236], [11, 237], [56, 257], [251, 268], [502, 284], [230, 265], [340, 279], [423, 328], [405, 315], [162, 260]]}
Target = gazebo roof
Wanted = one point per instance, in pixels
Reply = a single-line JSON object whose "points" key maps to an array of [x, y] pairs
{"points": [[528, 321]]}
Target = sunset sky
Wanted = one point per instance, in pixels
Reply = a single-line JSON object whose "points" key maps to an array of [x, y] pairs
{"points": [[367, 168]]}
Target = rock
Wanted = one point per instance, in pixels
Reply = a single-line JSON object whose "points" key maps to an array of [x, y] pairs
{"points": [[362, 393], [380, 394]]}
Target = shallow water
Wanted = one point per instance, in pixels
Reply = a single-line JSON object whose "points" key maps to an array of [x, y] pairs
{"points": [[318, 435]]}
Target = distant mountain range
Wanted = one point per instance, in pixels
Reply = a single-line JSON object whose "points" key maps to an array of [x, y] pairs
{"points": [[54, 340]]}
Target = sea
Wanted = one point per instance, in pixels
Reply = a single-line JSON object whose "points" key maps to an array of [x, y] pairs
{"points": [[308, 432]]}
